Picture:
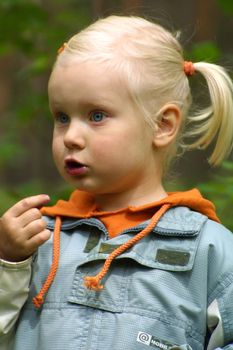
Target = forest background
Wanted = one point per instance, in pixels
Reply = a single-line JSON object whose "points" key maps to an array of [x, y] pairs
{"points": [[31, 31]]}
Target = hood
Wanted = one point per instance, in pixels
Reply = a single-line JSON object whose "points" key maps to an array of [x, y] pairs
{"points": [[82, 205]]}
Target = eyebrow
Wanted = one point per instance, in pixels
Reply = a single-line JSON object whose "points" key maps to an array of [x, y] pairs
{"points": [[85, 104], [102, 104]]}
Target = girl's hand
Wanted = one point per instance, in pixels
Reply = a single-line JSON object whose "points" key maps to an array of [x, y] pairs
{"points": [[22, 229]]}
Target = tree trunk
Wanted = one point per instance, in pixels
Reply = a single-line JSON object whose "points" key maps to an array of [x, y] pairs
{"points": [[207, 17]]}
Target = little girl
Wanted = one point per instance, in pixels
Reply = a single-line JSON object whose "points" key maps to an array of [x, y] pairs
{"points": [[123, 264]]}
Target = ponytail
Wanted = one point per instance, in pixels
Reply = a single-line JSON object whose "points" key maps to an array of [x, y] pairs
{"points": [[216, 121]]}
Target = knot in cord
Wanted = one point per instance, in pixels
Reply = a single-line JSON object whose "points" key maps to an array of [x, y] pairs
{"points": [[38, 301]]}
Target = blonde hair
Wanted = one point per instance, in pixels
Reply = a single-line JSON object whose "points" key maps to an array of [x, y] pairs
{"points": [[150, 59]]}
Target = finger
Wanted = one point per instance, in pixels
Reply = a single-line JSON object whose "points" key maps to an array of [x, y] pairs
{"points": [[29, 216], [37, 240], [28, 203], [34, 228]]}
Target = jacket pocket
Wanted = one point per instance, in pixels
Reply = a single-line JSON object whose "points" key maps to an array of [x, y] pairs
{"points": [[154, 266]]}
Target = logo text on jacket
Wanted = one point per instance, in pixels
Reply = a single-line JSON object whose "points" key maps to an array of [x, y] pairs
{"points": [[148, 339]]}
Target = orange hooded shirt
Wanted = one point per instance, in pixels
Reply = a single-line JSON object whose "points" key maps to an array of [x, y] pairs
{"points": [[82, 205]]}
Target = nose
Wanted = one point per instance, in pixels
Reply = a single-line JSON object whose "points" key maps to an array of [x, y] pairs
{"points": [[75, 136]]}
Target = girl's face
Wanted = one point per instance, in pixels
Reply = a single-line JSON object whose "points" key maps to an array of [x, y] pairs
{"points": [[101, 143]]}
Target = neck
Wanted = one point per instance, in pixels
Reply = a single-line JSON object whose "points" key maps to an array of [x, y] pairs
{"points": [[116, 201]]}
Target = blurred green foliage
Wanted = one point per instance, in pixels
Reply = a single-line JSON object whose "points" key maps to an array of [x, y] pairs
{"points": [[219, 189], [205, 51], [226, 6], [30, 33]]}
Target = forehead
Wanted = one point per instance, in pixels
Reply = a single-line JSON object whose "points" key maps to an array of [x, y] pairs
{"points": [[87, 80]]}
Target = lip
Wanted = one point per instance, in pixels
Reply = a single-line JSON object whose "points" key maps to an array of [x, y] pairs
{"points": [[75, 168]]}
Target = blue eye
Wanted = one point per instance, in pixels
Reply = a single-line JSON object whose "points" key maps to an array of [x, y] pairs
{"points": [[97, 116], [62, 118]]}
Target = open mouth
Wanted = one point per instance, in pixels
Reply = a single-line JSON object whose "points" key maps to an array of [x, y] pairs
{"points": [[75, 168]]}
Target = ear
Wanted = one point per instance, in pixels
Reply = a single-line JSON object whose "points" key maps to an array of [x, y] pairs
{"points": [[167, 125]]}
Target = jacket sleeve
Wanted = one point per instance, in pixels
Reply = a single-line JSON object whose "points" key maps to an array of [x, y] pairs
{"points": [[220, 321], [14, 287], [220, 309]]}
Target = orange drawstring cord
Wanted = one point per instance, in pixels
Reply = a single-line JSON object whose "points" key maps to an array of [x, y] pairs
{"points": [[93, 282], [38, 300]]}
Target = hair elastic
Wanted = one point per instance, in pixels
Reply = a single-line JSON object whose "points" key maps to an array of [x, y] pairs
{"points": [[62, 48], [189, 68]]}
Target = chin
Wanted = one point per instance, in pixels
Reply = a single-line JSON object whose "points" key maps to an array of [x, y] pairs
{"points": [[86, 186]]}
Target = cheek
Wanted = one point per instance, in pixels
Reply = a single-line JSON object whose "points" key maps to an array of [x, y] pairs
{"points": [[115, 151], [105, 148], [56, 149]]}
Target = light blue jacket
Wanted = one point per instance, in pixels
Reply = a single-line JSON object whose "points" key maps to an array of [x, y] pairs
{"points": [[172, 290]]}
